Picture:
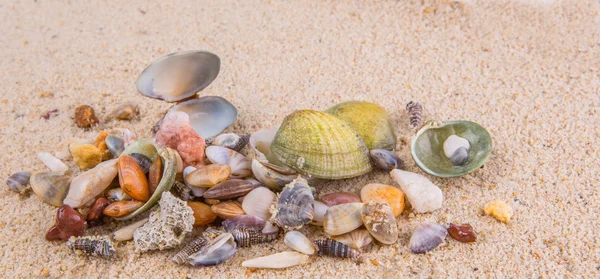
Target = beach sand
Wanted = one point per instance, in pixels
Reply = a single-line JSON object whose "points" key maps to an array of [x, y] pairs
{"points": [[527, 71]]}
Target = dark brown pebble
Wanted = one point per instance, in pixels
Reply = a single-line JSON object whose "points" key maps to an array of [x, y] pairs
{"points": [[69, 223], [85, 117], [462, 233], [94, 216]]}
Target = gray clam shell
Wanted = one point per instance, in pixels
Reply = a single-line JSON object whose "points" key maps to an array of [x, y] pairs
{"points": [[209, 115], [426, 237], [295, 206], [198, 70]]}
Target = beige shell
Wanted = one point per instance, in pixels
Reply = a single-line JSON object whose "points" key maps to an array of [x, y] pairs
{"points": [[228, 209], [357, 239], [208, 176], [51, 187], [343, 218], [380, 222], [320, 145]]}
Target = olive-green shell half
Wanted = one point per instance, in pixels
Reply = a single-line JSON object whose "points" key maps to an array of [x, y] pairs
{"points": [[427, 147], [168, 178], [320, 145], [370, 121]]}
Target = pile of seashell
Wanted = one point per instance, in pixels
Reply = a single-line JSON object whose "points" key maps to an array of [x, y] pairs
{"points": [[191, 175]]}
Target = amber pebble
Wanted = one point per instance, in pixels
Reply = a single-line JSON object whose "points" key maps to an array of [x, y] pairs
{"points": [[69, 223], [122, 208], [462, 233], [336, 198], [100, 143], [203, 214], [85, 117], [391, 195], [228, 209], [155, 174], [94, 216], [132, 179], [85, 156]]}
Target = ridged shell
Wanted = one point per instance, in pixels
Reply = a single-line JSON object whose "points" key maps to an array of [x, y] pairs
{"points": [[51, 187], [357, 239], [215, 252], [229, 189], [380, 222], [332, 248], [343, 218], [90, 245], [247, 238], [228, 209], [294, 208], [370, 121], [320, 145], [297, 241], [168, 178]]}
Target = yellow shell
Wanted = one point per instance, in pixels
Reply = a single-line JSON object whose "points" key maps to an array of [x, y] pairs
{"points": [[320, 145], [370, 121]]}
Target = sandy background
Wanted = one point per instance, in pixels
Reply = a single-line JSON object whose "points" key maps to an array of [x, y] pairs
{"points": [[529, 72]]}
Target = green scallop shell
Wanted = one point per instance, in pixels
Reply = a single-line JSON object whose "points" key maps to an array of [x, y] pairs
{"points": [[168, 178], [427, 147], [320, 145], [370, 121]]}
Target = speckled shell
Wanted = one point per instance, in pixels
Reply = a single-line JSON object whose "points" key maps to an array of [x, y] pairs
{"points": [[380, 222], [295, 206], [332, 248], [320, 145], [370, 121], [90, 245]]}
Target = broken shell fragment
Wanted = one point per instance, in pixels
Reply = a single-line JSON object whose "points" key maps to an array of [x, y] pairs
{"points": [[117, 194], [126, 111], [179, 75], [122, 208], [332, 248], [270, 178], [203, 214], [499, 210], [390, 195], [19, 181], [240, 165], [69, 223], [229, 189], [85, 117], [423, 195], [297, 241], [126, 233], [336, 198], [209, 115], [357, 239], [370, 121], [132, 178], [208, 176], [385, 159], [320, 145], [277, 261], [463, 233], [143, 161], [248, 238], [51, 187], [94, 216], [343, 218], [320, 210], [92, 245], [380, 222], [258, 201], [86, 186], [231, 141], [426, 237], [53, 163], [115, 145], [228, 209], [215, 252], [182, 191], [294, 208]]}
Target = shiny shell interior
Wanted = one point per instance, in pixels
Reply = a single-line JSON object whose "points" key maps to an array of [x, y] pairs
{"points": [[178, 76], [209, 115], [428, 152]]}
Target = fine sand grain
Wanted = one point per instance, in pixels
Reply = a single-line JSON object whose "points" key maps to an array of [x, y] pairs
{"points": [[527, 71]]}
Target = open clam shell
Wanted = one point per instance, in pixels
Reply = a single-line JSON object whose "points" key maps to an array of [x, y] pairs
{"points": [[178, 76], [209, 115], [168, 178], [427, 147]]}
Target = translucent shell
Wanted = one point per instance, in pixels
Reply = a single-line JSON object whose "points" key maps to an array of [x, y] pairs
{"points": [[427, 147], [320, 145]]}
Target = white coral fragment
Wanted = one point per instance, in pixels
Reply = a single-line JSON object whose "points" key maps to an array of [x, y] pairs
{"points": [[167, 226]]}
